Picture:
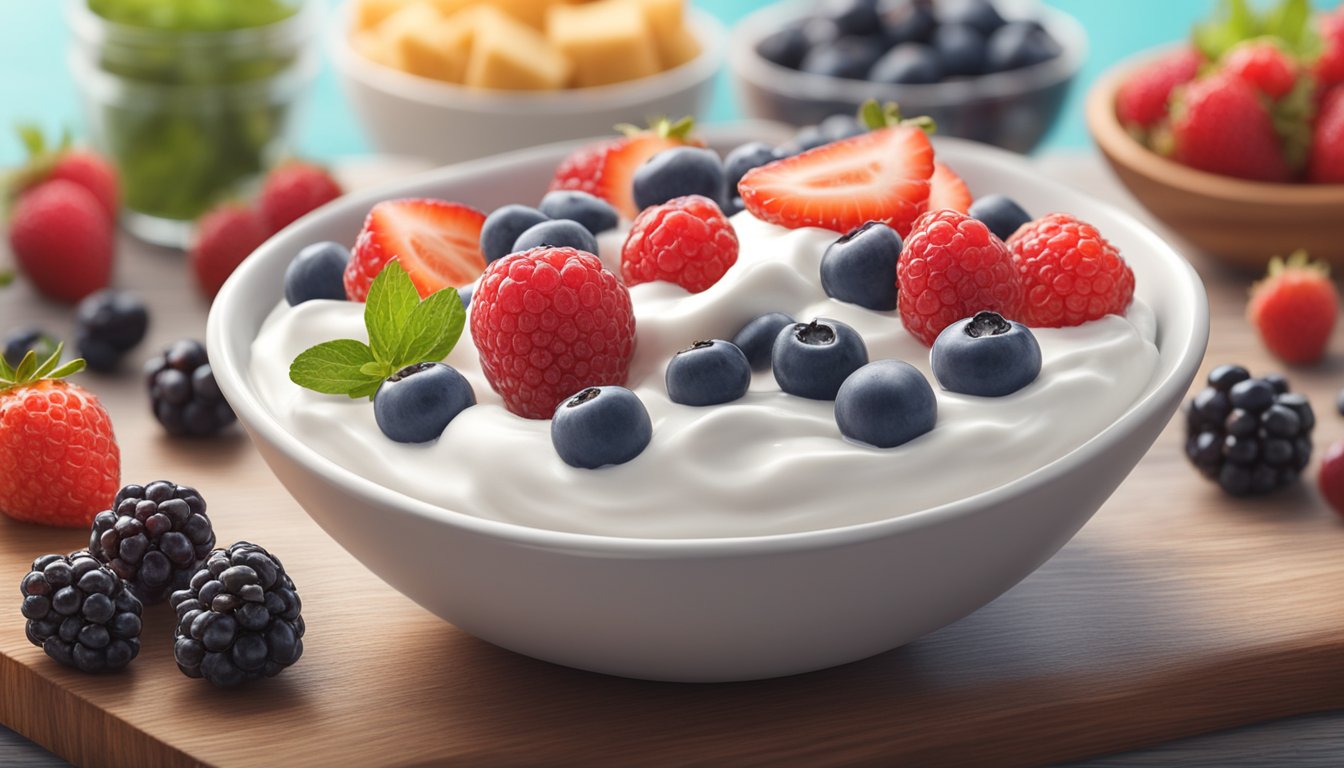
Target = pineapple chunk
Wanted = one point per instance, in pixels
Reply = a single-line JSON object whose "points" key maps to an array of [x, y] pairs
{"points": [[439, 50], [507, 54], [371, 13], [666, 21], [678, 48], [609, 41], [373, 47]]}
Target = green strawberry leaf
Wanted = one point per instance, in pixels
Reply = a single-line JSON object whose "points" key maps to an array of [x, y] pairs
{"points": [[1235, 22], [334, 368], [6, 277], [1290, 22]]}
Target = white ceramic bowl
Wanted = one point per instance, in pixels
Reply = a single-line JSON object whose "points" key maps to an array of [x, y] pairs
{"points": [[715, 609], [404, 114]]}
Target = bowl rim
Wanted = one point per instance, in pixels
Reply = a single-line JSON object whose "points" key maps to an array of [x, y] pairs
{"points": [[747, 63], [1122, 148], [230, 373], [709, 32]]}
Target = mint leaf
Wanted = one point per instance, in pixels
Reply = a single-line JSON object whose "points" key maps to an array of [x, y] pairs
{"points": [[335, 368], [434, 328], [391, 300]]}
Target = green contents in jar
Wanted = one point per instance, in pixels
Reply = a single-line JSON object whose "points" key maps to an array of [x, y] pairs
{"points": [[193, 15]]}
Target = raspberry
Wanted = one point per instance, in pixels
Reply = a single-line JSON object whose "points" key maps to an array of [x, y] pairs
{"points": [[549, 322], [687, 241], [1070, 273], [953, 267]]}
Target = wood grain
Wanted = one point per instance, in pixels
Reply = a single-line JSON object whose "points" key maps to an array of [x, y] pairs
{"points": [[1175, 612]]}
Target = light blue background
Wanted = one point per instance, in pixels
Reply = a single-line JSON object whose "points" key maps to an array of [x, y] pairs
{"points": [[35, 85]]}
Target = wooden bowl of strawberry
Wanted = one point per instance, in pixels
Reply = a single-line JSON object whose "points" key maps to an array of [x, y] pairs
{"points": [[1236, 139]]}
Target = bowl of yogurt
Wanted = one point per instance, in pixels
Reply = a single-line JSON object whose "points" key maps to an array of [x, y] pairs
{"points": [[747, 541]]}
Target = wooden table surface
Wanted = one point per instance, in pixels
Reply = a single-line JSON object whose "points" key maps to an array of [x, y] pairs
{"points": [[1174, 613]]}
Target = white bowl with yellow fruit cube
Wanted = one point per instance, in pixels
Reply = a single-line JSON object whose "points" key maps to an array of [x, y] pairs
{"points": [[453, 80]]}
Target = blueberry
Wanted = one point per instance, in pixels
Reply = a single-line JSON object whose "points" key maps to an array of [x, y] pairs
{"points": [[842, 126], [980, 14], [908, 64], [1018, 45], [416, 404], [1224, 377], [813, 359], [860, 267], [985, 356], [848, 57], [108, 324], [318, 272], [909, 22], [1000, 213], [960, 48], [600, 426], [556, 234], [885, 404], [708, 373], [594, 213], [743, 159], [464, 293], [679, 172], [503, 226], [809, 137], [853, 17], [757, 338], [787, 47], [819, 31], [21, 340]]}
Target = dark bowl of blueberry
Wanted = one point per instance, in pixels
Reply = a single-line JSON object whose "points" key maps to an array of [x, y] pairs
{"points": [[991, 71]]}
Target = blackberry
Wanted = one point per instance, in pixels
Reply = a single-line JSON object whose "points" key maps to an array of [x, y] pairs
{"points": [[183, 393], [108, 324], [154, 537], [21, 341], [238, 619], [80, 613], [1251, 436]]}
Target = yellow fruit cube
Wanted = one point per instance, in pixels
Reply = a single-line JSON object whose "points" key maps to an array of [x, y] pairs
{"points": [[666, 21], [371, 46], [508, 54], [439, 50], [609, 41], [370, 13]]}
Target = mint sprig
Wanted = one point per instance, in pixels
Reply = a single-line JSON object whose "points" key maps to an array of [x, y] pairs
{"points": [[403, 330]]}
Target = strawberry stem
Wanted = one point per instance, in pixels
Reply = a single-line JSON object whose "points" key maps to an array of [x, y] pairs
{"points": [[29, 371], [660, 126], [874, 116]]}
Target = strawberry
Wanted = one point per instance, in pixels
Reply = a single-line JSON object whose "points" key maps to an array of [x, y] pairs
{"points": [[437, 242], [60, 457], [1141, 101], [292, 190], [224, 237], [607, 169], [1326, 164], [1264, 65], [947, 191], [82, 166], [1329, 67], [1293, 308], [1220, 125], [62, 240], [882, 175], [1330, 477]]}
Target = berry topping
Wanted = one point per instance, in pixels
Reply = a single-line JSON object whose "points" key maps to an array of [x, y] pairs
{"points": [[318, 272], [108, 324], [947, 191], [62, 239], [79, 613], [224, 237], [1001, 214], [556, 234], [1294, 308], [503, 226], [743, 159], [951, 268], [847, 57], [599, 426], [61, 461], [961, 49], [183, 393], [679, 172], [238, 619], [687, 241], [1141, 100], [292, 190], [607, 169], [757, 338], [708, 373], [860, 267], [438, 244], [549, 322], [594, 213], [1070, 273], [885, 404], [985, 356], [812, 359], [416, 404], [21, 341], [1249, 435], [153, 538]]}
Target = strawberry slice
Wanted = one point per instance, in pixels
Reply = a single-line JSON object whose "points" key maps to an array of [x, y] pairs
{"points": [[607, 168], [882, 175], [947, 191], [437, 243]]}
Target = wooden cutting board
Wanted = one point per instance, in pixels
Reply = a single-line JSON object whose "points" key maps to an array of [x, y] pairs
{"points": [[1176, 611]]}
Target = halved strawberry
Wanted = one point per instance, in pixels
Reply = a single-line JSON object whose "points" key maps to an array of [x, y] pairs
{"points": [[882, 175], [607, 169], [947, 191], [437, 243]]}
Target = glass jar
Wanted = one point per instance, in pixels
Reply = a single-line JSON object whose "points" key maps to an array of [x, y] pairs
{"points": [[191, 111]]}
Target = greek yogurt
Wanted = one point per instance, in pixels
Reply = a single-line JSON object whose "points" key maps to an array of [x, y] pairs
{"points": [[767, 464]]}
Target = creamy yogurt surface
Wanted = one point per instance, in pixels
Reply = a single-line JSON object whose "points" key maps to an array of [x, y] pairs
{"points": [[769, 463]]}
